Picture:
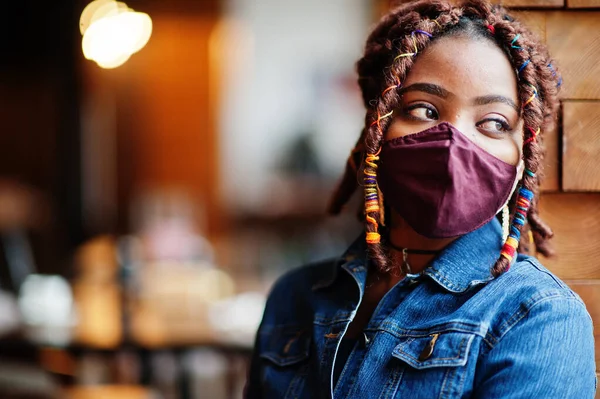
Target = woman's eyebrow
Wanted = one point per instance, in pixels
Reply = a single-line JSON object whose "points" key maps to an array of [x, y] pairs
{"points": [[491, 99], [429, 88]]}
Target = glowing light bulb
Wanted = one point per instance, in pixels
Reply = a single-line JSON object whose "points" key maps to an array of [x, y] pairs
{"points": [[112, 32]]}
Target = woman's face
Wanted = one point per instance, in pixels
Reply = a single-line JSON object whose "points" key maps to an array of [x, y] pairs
{"points": [[470, 84]]}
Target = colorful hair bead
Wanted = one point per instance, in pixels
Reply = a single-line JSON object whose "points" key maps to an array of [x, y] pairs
{"points": [[371, 193], [491, 29], [412, 35], [379, 118], [373, 238], [512, 44], [559, 83], [534, 95], [530, 173], [534, 134], [423, 32], [392, 87], [525, 193], [510, 246], [524, 65]]}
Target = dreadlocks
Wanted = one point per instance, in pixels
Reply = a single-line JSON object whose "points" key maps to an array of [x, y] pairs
{"points": [[389, 55]]}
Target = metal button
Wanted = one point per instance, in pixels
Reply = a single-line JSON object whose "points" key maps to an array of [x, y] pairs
{"points": [[428, 349]]}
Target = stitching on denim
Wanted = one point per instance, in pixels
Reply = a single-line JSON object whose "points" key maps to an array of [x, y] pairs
{"points": [[452, 371], [363, 354], [529, 304], [287, 361], [488, 340], [442, 359], [393, 383], [345, 369], [325, 321], [393, 329], [275, 354], [296, 383], [526, 312], [325, 356], [543, 270], [447, 283]]}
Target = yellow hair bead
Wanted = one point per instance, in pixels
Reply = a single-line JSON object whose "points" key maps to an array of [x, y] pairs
{"points": [[373, 238], [512, 242]]}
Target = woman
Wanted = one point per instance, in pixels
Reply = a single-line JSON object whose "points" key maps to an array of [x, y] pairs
{"points": [[438, 298]]}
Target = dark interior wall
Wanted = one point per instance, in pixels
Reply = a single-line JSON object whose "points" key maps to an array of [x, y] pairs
{"points": [[39, 138]]}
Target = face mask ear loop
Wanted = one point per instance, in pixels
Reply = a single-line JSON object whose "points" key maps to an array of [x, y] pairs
{"points": [[505, 223]]}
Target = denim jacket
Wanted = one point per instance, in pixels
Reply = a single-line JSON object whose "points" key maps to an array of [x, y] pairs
{"points": [[452, 331]]}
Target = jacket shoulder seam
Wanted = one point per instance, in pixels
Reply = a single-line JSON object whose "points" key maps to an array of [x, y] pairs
{"points": [[522, 313]]}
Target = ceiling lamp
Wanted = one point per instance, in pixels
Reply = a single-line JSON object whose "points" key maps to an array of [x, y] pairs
{"points": [[112, 32]]}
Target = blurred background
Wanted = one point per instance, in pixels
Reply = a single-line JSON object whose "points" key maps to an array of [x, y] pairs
{"points": [[161, 163]]}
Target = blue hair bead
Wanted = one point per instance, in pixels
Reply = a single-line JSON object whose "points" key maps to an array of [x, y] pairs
{"points": [[525, 193], [554, 74], [530, 173], [423, 32], [524, 65]]}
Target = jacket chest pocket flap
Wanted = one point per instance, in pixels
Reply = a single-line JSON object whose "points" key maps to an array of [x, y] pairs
{"points": [[446, 349], [287, 346]]}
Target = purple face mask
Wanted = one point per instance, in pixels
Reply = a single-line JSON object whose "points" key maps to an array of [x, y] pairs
{"points": [[442, 183]]}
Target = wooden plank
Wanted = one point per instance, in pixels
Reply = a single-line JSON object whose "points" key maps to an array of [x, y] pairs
{"points": [[534, 20], [550, 182], [575, 220], [573, 38], [589, 291], [532, 3], [581, 138], [583, 3]]}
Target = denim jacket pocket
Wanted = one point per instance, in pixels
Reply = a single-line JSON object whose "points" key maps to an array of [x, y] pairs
{"points": [[287, 346], [285, 354], [445, 349], [435, 363]]}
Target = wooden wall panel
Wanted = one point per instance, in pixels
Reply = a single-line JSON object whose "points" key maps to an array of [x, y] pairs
{"points": [[534, 20], [551, 180], [573, 38], [575, 220], [581, 138], [533, 3], [583, 3]]}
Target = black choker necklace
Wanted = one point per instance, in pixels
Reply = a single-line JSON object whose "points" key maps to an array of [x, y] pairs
{"points": [[405, 251], [415, 251]]}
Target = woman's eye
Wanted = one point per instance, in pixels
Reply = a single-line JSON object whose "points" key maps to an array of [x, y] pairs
{"points": [[494, 125], [422, 112]]}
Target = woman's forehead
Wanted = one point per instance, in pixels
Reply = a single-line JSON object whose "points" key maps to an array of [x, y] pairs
{"points": [[466, 67]]}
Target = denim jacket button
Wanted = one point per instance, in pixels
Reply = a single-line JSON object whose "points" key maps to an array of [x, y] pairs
{"points": [[428, 349]]}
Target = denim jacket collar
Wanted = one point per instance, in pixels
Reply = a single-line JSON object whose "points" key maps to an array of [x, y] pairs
{"points": [[463, 264]]}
